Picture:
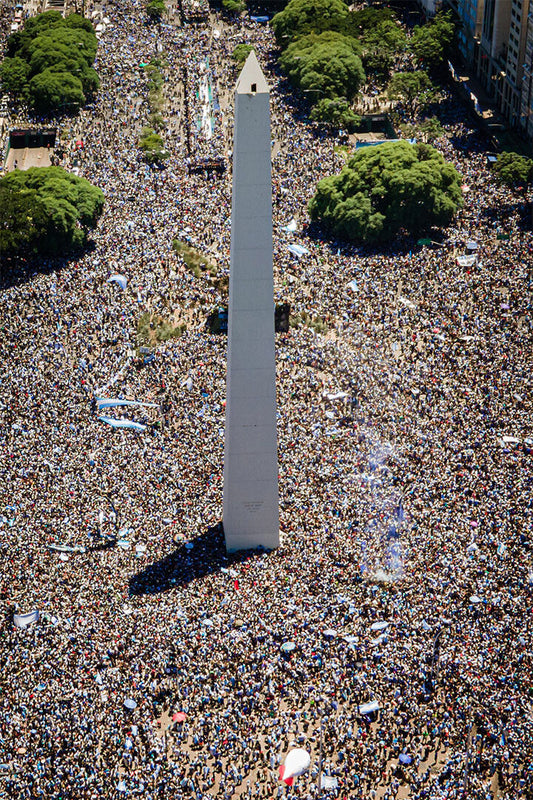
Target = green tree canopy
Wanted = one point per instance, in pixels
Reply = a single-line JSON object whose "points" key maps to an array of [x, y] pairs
{"points": [[513, 170], [381, 44], [335, 112], [368, 19], [152, 146], [155, 9], [49, 62], [327, 64], [14, 74], [414, 89], [430, 43], [60, 91], [300, 17], [234, 6], [47, 210], [428, 129], [386, 188], [241, 53], [33, 27]]}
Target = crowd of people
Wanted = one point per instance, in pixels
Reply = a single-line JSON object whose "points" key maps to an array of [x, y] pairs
{"points": [[389, 635]]}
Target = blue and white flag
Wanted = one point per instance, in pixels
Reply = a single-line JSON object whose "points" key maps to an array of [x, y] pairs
{"points": [[25, 620], [120, 279], [123, 423], [298, 250], [109, 402]]}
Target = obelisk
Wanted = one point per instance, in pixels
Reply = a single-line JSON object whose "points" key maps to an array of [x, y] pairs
{"points": [[251, 499]]}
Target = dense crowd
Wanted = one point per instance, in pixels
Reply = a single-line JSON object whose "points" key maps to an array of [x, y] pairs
{"points": [[405, 446]]}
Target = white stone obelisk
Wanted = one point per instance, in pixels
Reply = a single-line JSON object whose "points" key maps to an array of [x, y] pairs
{"points": [[251, 499]]}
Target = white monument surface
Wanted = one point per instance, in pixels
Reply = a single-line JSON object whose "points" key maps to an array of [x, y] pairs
{"points": [[251, 498]]}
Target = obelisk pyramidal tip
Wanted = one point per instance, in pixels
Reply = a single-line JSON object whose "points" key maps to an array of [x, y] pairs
{"points": [[251, 500]]}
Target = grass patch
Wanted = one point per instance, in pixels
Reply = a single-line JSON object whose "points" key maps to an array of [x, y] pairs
{"points": [[153, 329], [342, 150], [199, 266], [317, 324]]}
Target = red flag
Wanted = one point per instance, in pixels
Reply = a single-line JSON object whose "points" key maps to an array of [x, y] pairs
{"points": [[236, 584]]}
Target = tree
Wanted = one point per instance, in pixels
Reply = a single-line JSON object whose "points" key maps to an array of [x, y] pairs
{"points": [[234, 6], [368, 19], [300, 17], [47, 210], [152, 146], [14, 75], [381, 45], [56, 91], [514, 170], [386, 188], [20, 209], [155, 9], [431, 129], [428, 130], [414, 89], [430, 43], [335, 112], [241, 53], [326, 63], [50, 62]]}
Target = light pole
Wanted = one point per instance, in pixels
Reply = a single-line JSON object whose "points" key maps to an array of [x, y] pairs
{"points": [[320, 748]]}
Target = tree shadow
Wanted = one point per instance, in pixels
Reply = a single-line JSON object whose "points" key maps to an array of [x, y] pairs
{"points": [[402, 243], [497, 216], [177, 569], [19, 269]]}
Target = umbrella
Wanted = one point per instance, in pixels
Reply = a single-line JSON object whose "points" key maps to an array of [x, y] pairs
{"points": [[404, 758], [129, 703], [288, 647], [330, 633], [475, 599], [179, 716], [379, 626], [351, 639], [189, 545]]}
